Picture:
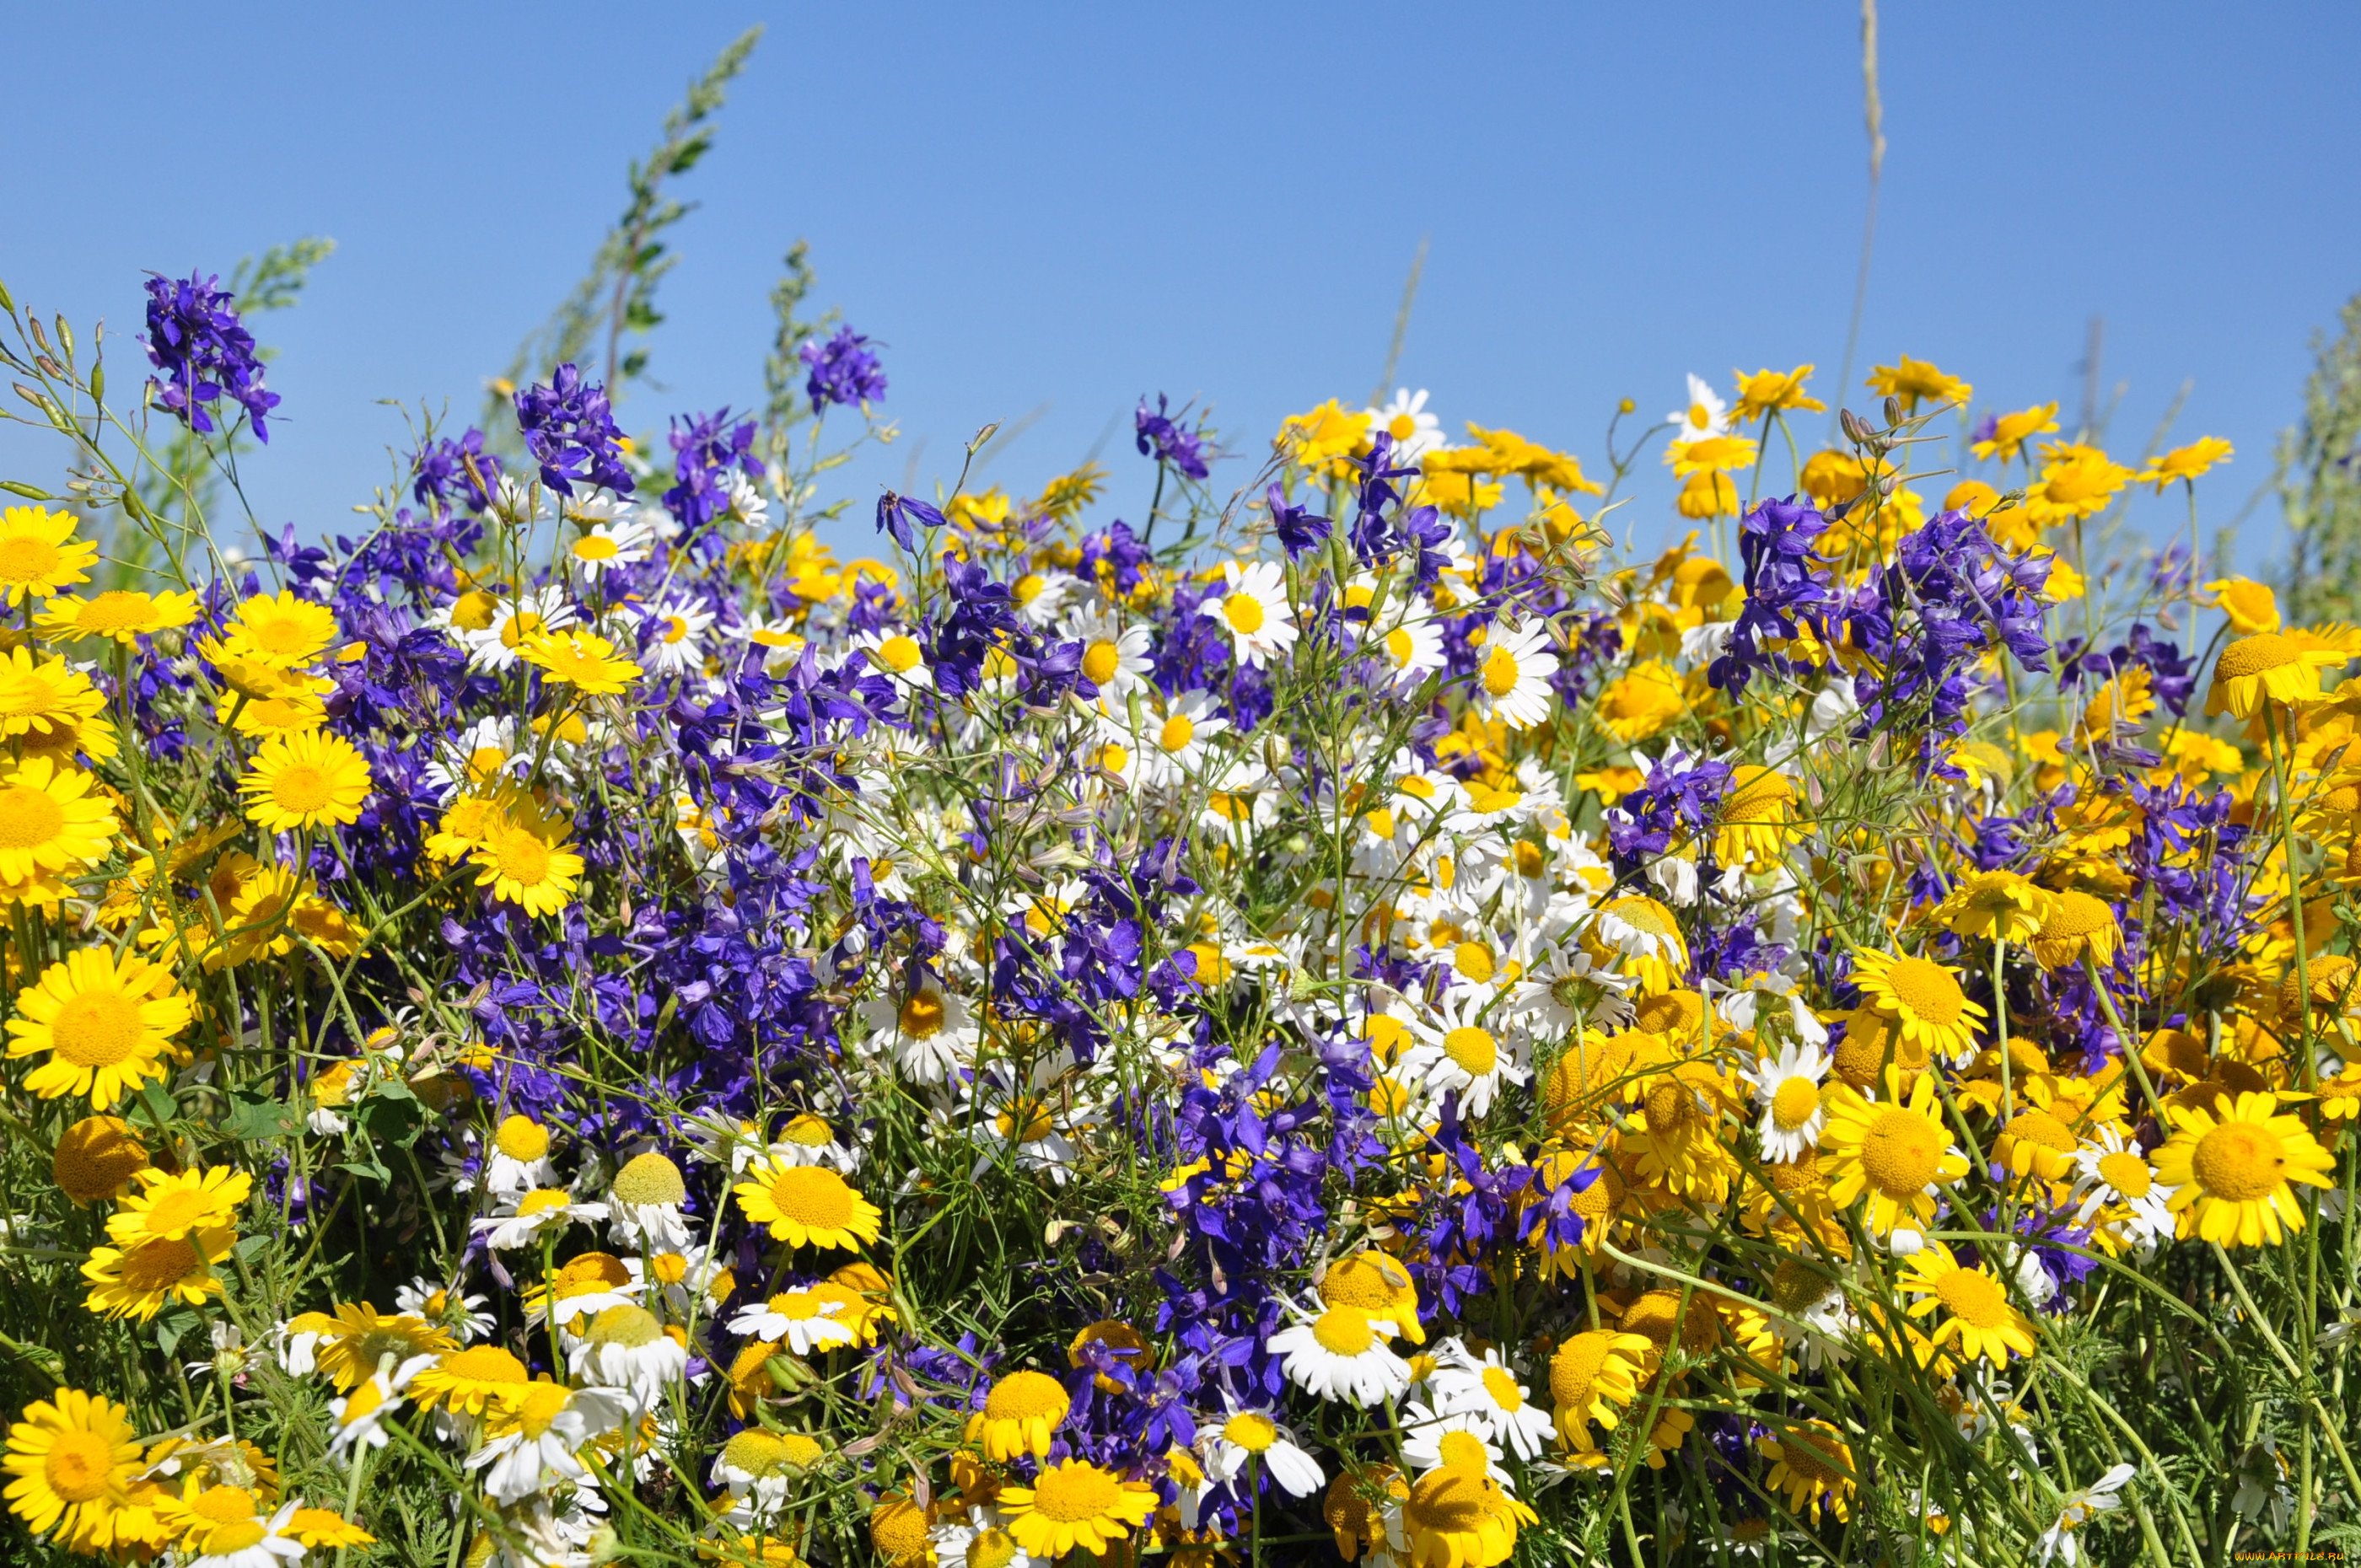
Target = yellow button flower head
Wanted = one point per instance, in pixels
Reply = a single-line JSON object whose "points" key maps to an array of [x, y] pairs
{"points": [[1379, 1285], [2230, 1166], [106, 1022], [71, 1459], [808, 1205], [309, 779], [2009, 432], [470, 1382], [142, 1281], [897, 1530], [1893, 1152], [1915, 381], [1075, 1506], [1757, 818], [2074, 924], [2186, 463], [1833, 478], [1769, 392], [2269, 666], [50, 821], [1977, 1313], [2250, 606], [1020, 1415], [39, 554], [1922, 998], [119, 613], [1997, 906], [1458, 1516], [96, 1158], [1321, 439], [1644, 702], [583, 660]]}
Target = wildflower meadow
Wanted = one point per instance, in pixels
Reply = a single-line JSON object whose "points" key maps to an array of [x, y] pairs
{"points": [[1291, 996]]}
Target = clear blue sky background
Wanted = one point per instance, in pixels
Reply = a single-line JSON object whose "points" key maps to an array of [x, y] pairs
{"points": [[1070, 205]]}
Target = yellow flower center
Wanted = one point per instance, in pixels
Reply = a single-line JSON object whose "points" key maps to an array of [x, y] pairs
{"points": [[1501, 672], [543, 1405], [25, 559], [624, 1325], [97, 1028], [2127, 1173], [302, 788], [78, 1464], [281, 634], [1807, 1454], [650, 1178], [1253, 1432], [28, 819], [595, 547], [1400, 647], [1901, 1153], [522, 858], [1344, 1330], [1073, 1493], [1451, 1501], [1671, 1106], [1402, 427], [27, 694], [1464, 1449], [1100, 660], [809, 1131], [1574, 1370], [991, 1548], [1974, 1298], [522, 1138], [115, 610], [1025, 1120], [1178, 731], [2239, 1161], [1794, 1101], [157, 1266], [1503, 1388], [676, 629], [1473, 960], [1243, 611], [542, 1199], [2253, 655], [1027, 1395], [814, 1197], [898, 653], [1472, 1049], [1927, 988], [2039, 1127], [921, 1017]]}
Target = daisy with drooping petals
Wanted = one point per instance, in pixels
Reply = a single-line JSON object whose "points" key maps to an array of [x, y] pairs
{"points": [[1255, 611], [1512, 680], [309, 779], [1341, 1352], [1812, 1465], [530, 1443], [1787, 1088], [1977, 1313], [1894, 1153], [1075, 1506], [807, 1321], [519, 1222], [626, 1348], [106, 1022], [2269, 666], [1922, 999], [1020, 1416], [808, 1205], [1458, 1516], [2230, 1167]]}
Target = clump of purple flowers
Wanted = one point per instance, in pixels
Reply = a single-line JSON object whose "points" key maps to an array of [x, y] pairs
{"points": [[195, 338], [455, 474], [570, 430], [707, 451], [1166, 439], [1778, 545], [843, 371]]}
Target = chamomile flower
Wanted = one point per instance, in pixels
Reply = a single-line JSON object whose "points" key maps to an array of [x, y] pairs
{"points": [[1248, 1436], [1433, 1438], [1404, 417], [477, 760], [534, 1443], [2058, 1542], [1787, 1088], [518, 1157], [1340, 1354], [1487, 1389], [1171, 747], [926, 1031], [807, 1321], [672, 635], [619, 542], [2116, 1191], [520, 1219], [1513, 677], [1459, 1052], [1705, 415], [625, 1348], [357, 1419], [1115, 656], [1255, 611], [1410, 651], [645, 1200], [974, 1538], [898, 656], [446, 1306], [514, 620]]}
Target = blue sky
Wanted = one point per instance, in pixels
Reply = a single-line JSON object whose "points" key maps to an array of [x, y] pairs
{"points": [[1067, 206]]}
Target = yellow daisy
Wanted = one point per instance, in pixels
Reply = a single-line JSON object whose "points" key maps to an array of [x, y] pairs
{"points": [[142, 1281], [2230, 1165], [1591, 1376], [1892, 1152], [351, 1343], [2075, 924], [38, 695], [2269, 666], [1458, 1516], [1921, 998], [173, 1204], [50, 821], [1976, 1309], [281, 631], [1915, 381], [583, 660], [471, 1381], [39, 554], [1757, 816], [122, 614], [808, 1205], [71, 1459], [311, 779], [1997, 906], [106, 1022], [2186, 462], [1075, 1506], [1020, 1415], [523, 859], [1812, 1465], [96, 1158]]}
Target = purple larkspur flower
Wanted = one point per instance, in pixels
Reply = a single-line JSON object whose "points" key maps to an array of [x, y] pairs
{"points": [[205, 353], [843, 371], [570, 430], [1166, 439]]}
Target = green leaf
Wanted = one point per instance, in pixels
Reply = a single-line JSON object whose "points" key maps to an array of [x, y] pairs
{"points": [[394, 1118], [159, 1103], [175, 1325], [254, 1115], [369, 1169]]}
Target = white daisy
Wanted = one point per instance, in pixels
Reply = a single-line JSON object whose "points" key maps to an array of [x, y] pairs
{"points": [[1457, 1054], [626, 1349], [446, 1306], [1115, 657], [1512, 681], [273, 1547], [672, 635], [1172, 748], [1488, 1389], [523, 1216], [926, 1029], [1433, 1438], [897, 656], [531, 1445], [803, 1319], [1412, 651], [2099, 1497], [807, 1139], [623, 541], [1043, 597], [480, 756], [500, 644], [779, 642], [1251, 1434], [359, 1418], [1340, 1352], [1787, 1087], [2115, 1180], [1255, 611], [1705, 414], [978, 1539], [1415, 432]]}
